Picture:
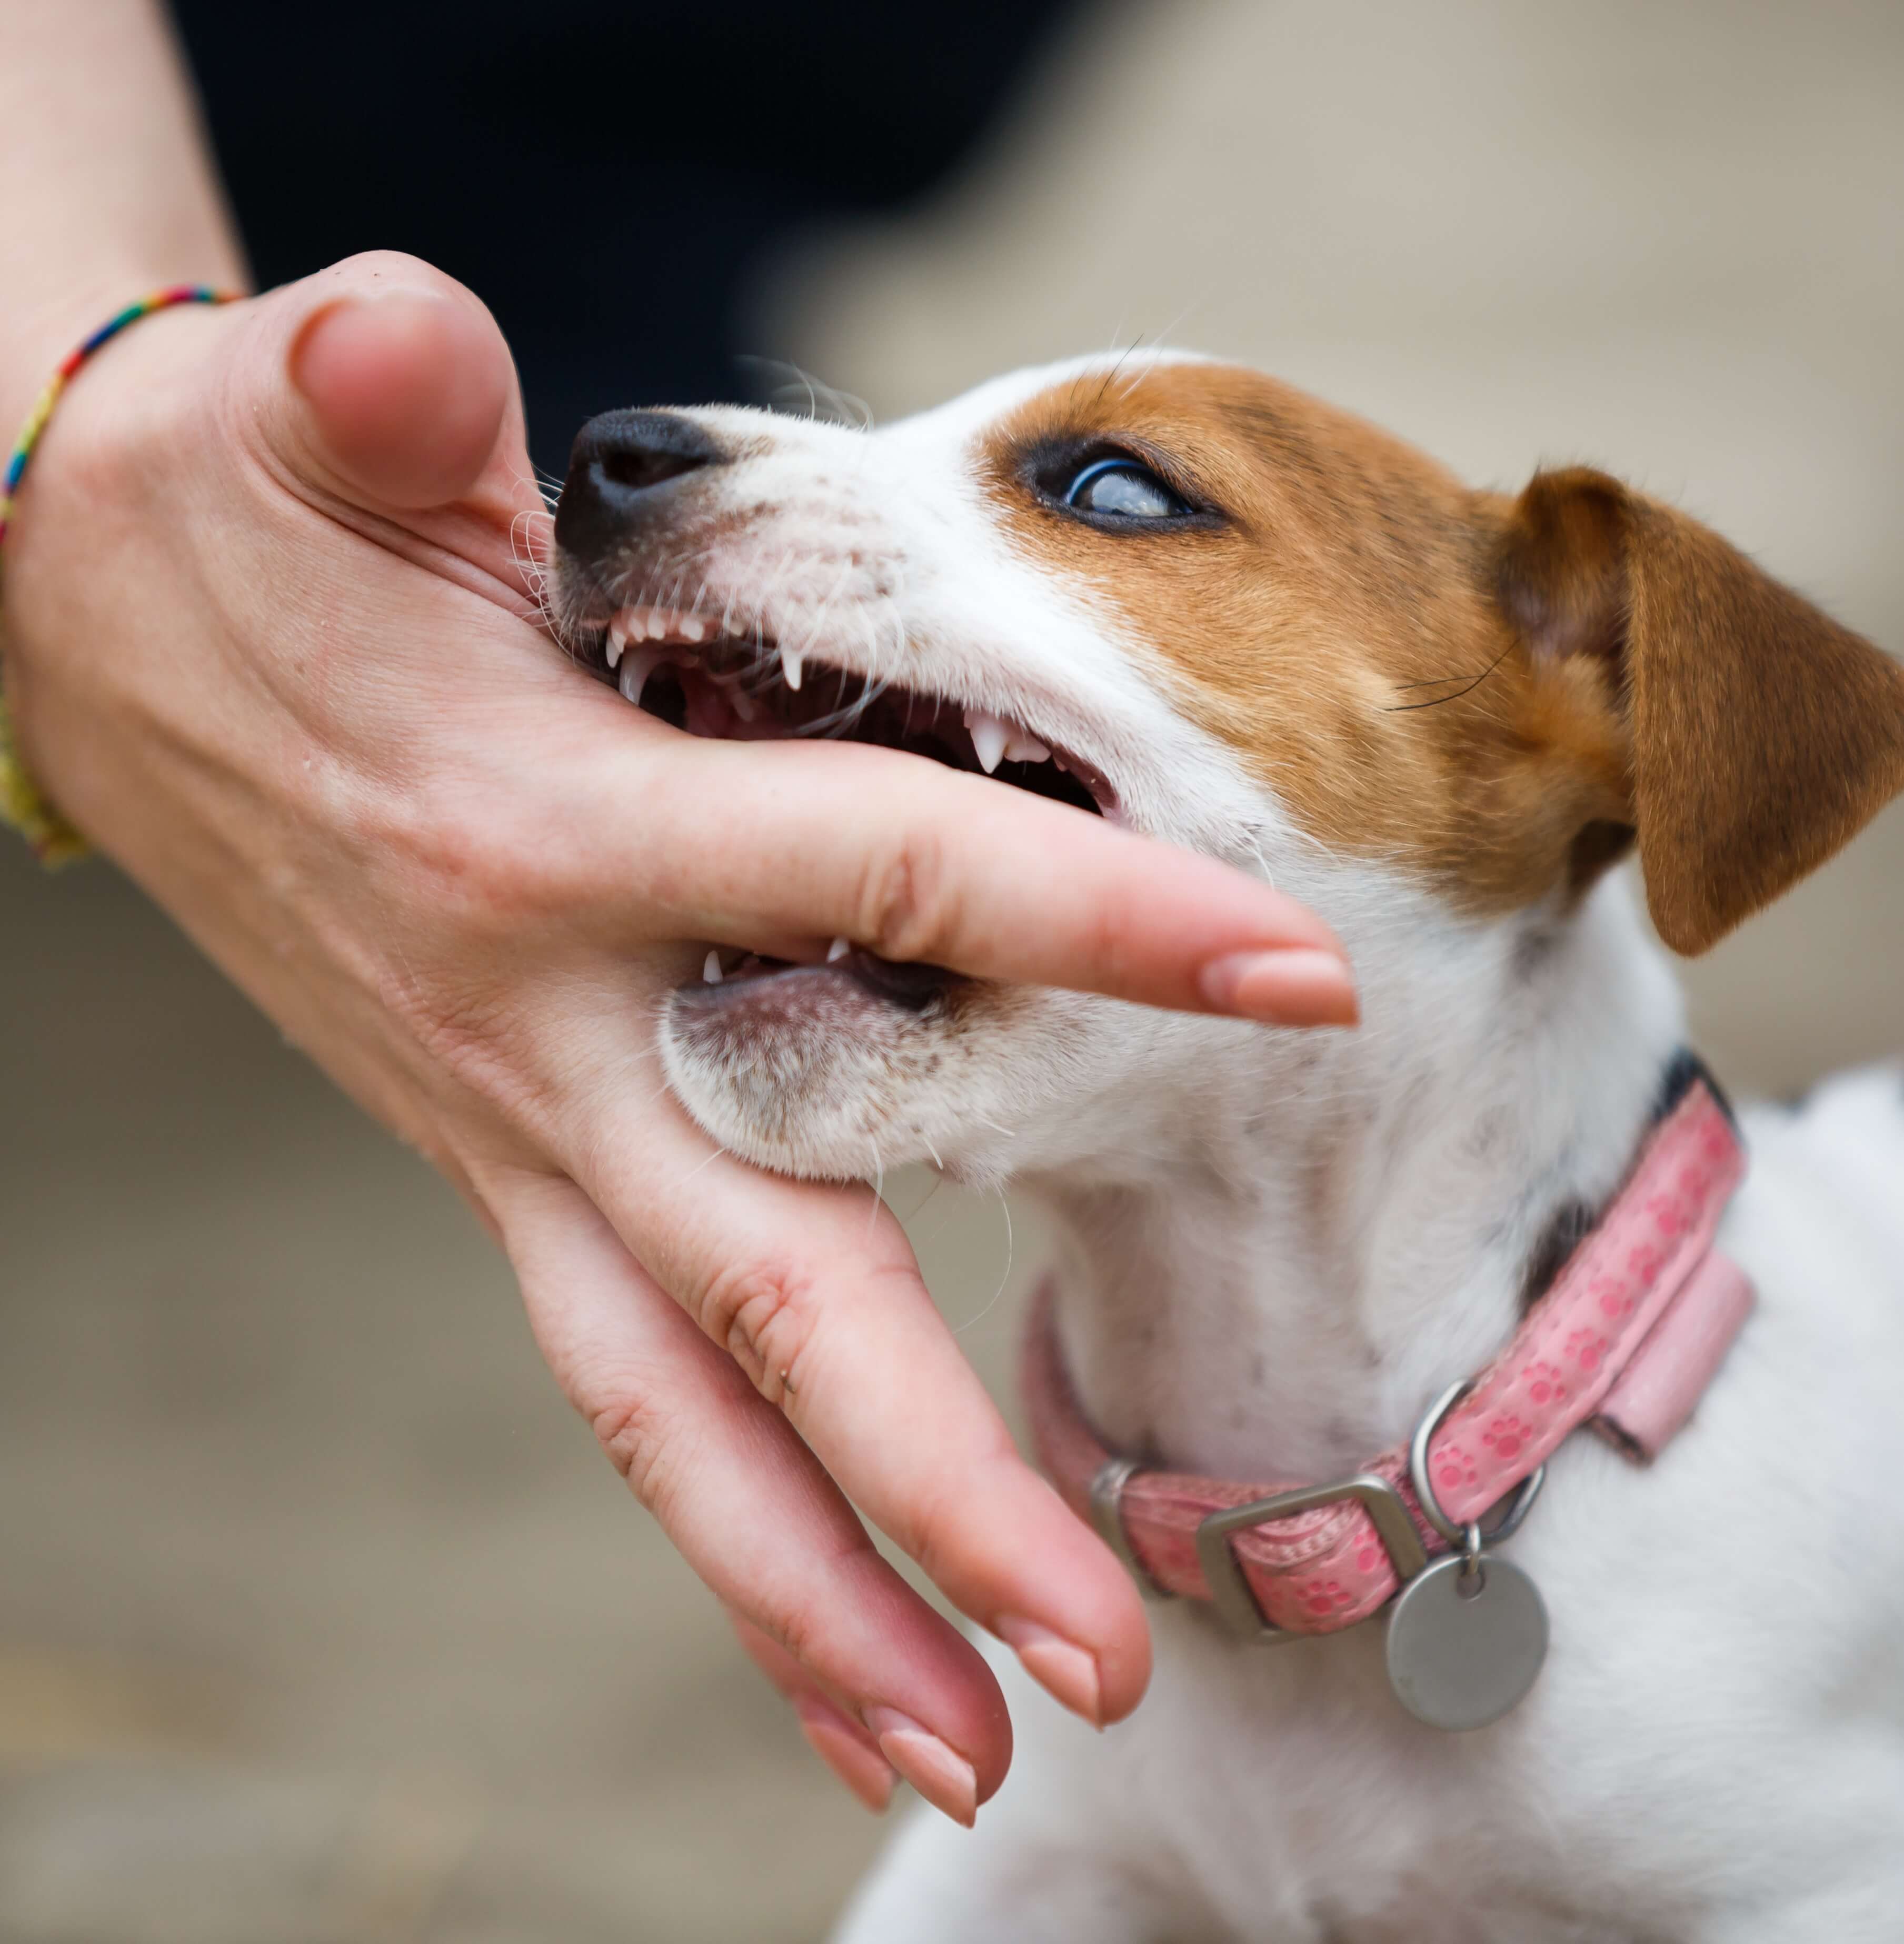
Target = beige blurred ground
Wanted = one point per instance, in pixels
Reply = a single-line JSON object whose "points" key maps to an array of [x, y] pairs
{"points": [[319, 1619]]}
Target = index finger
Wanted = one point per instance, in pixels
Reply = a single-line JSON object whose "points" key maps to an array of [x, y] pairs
{"points": [[744, 843]]}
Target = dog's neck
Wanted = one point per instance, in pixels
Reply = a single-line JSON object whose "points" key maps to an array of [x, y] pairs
{"points": [[1322, 1235]]}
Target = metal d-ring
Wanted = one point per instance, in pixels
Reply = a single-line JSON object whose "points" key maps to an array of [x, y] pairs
{"points": [[1456, 1534]]}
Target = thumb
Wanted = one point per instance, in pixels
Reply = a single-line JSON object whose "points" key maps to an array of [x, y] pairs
{"points": [[387, 386]]}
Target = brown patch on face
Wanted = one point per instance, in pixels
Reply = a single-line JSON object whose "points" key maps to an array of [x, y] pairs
{"points": [[1333, 619], [1498, 694]]}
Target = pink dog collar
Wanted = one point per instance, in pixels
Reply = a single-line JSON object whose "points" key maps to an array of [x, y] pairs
{"points": [[1626, 1339]]}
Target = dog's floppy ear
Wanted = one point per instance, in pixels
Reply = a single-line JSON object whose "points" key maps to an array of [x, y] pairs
{"points": [[1761, 735]]}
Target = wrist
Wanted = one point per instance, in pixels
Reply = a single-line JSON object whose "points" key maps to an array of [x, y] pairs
{"points": [[36, 334], [24, 804]]}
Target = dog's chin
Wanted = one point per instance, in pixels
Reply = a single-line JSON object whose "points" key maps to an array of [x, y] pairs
{"points": [[840, 1072]]}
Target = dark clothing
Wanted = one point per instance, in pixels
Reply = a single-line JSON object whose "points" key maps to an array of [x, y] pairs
{"points": [[602, 175]]}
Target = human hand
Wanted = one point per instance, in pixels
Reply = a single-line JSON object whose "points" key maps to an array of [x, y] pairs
{"points": [[271, 644]]}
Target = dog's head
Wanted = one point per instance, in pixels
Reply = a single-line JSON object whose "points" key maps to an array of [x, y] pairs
{"points": [[1189, 597]]}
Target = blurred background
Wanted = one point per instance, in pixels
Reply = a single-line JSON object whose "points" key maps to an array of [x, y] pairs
{"points": [[320, 1618]]}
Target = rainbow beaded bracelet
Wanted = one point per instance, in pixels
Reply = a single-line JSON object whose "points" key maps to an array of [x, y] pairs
{"points": [[21, 804]]}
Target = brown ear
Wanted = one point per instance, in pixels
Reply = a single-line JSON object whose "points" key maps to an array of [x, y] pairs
{"points": [[1763, 736]]}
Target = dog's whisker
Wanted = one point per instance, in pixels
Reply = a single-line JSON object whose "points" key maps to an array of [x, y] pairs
{"points": [[879, 1188], [972, 1322]]}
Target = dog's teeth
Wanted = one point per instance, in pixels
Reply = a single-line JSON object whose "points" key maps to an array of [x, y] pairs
{"points": [[837, 950], [617, 641], [742, 704], [989, 736], [637, 665], [711, 969], [657, 625], [1023, 748], [692, 627], [792, 661]]}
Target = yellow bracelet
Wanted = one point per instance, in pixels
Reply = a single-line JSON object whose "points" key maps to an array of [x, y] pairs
{"points": [[54, 841], [21, 804]]}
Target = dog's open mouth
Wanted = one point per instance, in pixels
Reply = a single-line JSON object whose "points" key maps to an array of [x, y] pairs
{"points": [[679, 667]]}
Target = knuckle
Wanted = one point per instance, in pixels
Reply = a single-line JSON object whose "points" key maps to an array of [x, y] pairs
{"points": [[798, 1628], [493, 862], [763, 1314], [635, 1434], [906, 902], [484, 863], [501, 873]]}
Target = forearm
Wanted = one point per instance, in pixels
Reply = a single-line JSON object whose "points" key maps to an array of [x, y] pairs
{"points": [[110, 187]]}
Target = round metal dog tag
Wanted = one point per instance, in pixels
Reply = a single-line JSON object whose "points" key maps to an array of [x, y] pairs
{"points": [[1461, 1655]]}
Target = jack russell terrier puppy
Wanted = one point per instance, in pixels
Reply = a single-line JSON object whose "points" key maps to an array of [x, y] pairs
{"points": [[1336, 1305]]}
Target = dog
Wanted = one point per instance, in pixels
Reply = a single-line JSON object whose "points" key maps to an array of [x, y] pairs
{"points": [[1185, 596]]}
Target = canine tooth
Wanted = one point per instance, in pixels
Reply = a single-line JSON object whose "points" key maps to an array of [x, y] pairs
{"points": [[637, 665], [617, 641], [711, 969], [837, 950], [989, 737], [792, 662], [1023, 748]]}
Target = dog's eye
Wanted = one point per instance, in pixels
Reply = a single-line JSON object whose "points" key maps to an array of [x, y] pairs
{"points": [[1125, 491]]}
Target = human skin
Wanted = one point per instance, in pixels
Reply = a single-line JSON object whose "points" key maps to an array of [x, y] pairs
{"points": [[271, 643]]}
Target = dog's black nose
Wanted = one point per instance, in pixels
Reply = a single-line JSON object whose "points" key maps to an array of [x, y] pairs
{"points": [[621, 473]]}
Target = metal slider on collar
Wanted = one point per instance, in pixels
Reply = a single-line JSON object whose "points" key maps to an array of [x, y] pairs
{"points": [[1107, 1517], [1237, 1605]]}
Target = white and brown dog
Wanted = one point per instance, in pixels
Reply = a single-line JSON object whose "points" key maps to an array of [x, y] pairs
{"points": [[1191, 598]]}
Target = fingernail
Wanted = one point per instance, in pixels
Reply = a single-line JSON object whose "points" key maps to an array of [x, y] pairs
{"points": [[1298, 987], [946, 1780], [842, 1745], [1058, 1666]]}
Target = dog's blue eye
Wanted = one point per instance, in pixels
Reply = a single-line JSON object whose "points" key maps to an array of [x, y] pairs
{"points": [[1124, 490]]}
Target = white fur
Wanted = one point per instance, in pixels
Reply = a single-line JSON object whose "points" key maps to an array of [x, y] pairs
{"points": [[1282, 1245]]}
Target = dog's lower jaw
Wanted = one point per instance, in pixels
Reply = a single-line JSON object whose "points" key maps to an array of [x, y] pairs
{"points": [[832, 1085]]}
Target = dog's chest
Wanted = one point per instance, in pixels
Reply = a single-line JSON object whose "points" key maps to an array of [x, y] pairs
{"points": [[1289, 1787], [1701, 1713]]}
